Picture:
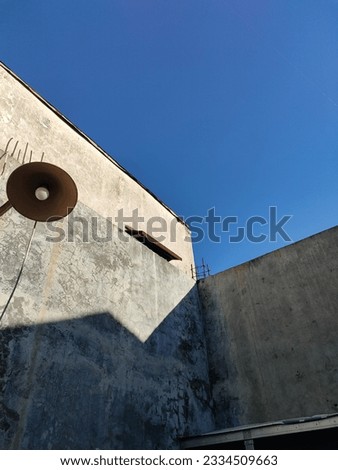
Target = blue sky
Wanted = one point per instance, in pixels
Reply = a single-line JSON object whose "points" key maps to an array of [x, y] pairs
{"points": [[231, 104]]}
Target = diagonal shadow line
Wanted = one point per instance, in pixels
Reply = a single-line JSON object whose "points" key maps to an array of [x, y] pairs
{"points": [[89, 383]]}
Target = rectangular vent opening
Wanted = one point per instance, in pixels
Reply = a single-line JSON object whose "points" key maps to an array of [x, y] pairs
{"points": [[152, 244]]}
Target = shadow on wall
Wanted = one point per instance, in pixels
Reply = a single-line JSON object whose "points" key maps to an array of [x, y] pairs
{"points": [[68, 278], [102, 345], [271, 331], [89, 383]]}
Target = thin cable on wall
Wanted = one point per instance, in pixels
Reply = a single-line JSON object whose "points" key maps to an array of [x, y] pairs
{"points": [[20, 272], [39, 191]]}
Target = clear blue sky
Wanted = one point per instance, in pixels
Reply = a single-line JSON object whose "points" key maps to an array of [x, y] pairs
{"points": [[231, 104]]}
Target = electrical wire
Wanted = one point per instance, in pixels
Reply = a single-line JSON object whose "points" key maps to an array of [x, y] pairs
{"points": [[20, 272]]}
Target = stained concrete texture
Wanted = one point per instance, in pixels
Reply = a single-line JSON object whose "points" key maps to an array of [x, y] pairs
{"points": [[37, 129], [102, 345], [272, 334]]}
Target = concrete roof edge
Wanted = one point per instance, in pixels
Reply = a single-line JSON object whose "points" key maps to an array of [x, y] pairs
{"points": [[282, 422], [88, 139]]}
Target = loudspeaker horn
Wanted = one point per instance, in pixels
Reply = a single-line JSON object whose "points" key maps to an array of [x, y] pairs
{"points": [[41, 191]]}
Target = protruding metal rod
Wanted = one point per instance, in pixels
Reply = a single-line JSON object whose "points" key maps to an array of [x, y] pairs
{"points": [[5, 153], [5, 207], [15, 146], [24, 155]]}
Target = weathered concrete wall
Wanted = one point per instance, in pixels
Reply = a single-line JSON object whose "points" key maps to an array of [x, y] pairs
{"points": [[272, 334], [102, 345], [103, 186]]}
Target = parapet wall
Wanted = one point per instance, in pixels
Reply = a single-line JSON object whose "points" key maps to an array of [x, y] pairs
{"points": [[271, 330]]}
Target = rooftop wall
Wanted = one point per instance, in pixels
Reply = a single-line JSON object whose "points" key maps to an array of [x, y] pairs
{"points": [[102, 343], [103, 185], [272, 329]]}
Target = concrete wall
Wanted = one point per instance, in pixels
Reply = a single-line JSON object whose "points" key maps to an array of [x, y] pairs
{"points": [[272, 334], [103, 185], [102, 344]]}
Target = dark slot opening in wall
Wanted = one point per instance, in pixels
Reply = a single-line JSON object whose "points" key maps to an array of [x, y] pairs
{"points": [[152, 244], [323, 439], [312, 440]]}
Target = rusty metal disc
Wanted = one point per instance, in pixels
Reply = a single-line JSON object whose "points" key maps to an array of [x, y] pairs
{"points": [[26, 179]]}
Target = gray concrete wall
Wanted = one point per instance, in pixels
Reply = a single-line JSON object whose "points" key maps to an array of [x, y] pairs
{"points": [[272, 334], [102, 345], [103, 185]]}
